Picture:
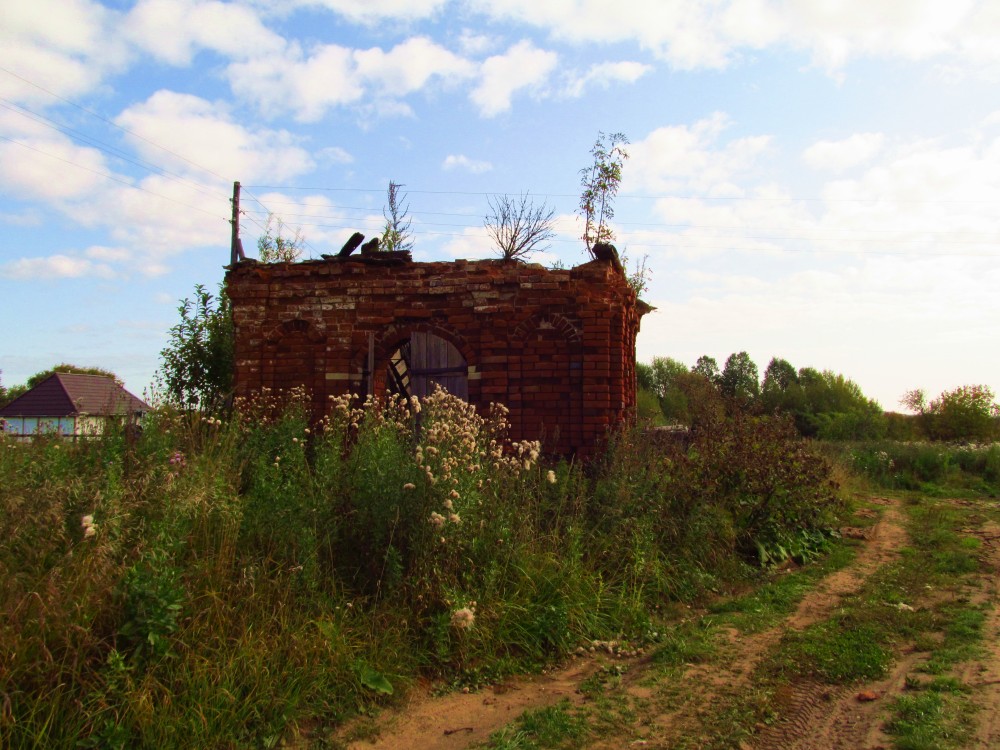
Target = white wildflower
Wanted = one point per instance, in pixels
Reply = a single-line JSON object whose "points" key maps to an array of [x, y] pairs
{"points": [[463, 618]]}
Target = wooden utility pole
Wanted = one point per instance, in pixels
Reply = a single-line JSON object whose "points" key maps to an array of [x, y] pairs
{"points": [[236, 246]]}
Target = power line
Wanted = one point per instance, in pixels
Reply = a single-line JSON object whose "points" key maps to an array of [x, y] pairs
{"points": [[107, 176], [111, 123], [635, 196], [104, 147], [270, 213]]}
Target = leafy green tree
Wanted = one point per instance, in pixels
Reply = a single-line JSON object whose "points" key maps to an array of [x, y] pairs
{"points": [[397, 235], [600, 182], [968, 412], [673, 401], [274, 247], [708, 368], [779, 377], [740, 379], [833, 407], [644, 376], [196, 371]]}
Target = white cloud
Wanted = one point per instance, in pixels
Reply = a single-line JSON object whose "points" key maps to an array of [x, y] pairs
{"points": [[604, 75], [112, 254], [409, 66], [50, 168], [845, 154], [372, 11], [460, 161], [64, 46], [473, 43], [334, 155], [53, 267], [682, 158], [522, 66], [207, 136], [174, 30], [332, 75], [692, 34], [472, 244], [307, 86]]}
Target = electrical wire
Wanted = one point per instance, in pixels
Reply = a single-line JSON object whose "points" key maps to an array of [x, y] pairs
{"points": [[106, 175], [111, 123], [105, 148]]}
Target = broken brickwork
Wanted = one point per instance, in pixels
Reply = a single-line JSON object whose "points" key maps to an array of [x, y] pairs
{"points": [[557, 347]]}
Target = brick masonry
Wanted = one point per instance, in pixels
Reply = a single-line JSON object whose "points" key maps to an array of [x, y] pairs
{"points": [[557, 347]]}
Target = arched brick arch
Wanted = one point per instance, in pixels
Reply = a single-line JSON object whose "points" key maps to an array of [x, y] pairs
{"points": [[546, 390], [551, 321], [387, 341]]}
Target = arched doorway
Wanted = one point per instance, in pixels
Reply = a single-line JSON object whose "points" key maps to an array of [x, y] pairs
{"points": [[423, 361]]}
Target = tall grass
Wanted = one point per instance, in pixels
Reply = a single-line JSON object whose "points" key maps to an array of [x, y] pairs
{"points": [[215, 583], [931, 468]]}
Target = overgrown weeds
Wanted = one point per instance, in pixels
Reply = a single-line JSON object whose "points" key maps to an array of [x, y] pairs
{"points": [[215, 582]]}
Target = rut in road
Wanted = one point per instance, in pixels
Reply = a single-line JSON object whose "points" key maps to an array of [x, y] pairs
{"points": [[458, 721]]}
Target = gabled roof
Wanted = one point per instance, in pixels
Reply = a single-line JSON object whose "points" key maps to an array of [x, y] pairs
{"points": [[64, 394]]}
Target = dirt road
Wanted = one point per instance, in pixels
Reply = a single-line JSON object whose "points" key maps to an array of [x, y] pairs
{"points": [[731, 694]]}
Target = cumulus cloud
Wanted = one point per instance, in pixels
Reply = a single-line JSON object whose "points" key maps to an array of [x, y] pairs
{"points": [[842, 155], [306, 85], [37, 166], [332, 75], [762, 266], [208, 136], [473, 243], [409, 66], [64, 46], [173, 30], [522, 66], [460, 161]]}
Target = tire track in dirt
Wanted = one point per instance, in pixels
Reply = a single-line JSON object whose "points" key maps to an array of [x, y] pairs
{"points": [[823, 718], [815, 716], [711, 683], [458, 721]]}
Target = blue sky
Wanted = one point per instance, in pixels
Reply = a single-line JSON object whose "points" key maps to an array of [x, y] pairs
{"points": [[815, 181]]}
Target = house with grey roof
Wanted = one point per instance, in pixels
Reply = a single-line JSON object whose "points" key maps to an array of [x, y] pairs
{"points": [[71, 405]]}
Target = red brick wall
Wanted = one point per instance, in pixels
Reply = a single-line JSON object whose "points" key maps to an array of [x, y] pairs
{"points": [[557, 347]]}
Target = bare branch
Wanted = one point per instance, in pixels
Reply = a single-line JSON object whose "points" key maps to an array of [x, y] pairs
{"points": [[517, 227]]}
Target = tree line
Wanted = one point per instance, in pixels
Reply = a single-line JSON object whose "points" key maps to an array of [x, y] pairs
{"points": [[821, 404]]}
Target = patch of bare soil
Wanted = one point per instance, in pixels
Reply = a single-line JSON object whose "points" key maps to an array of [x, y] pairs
{"points": [[458, 721]]}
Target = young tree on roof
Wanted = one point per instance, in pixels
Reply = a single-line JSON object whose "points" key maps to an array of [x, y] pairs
{"points": [[517, 226]]}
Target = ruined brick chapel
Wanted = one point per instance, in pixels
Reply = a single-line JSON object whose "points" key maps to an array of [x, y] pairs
{"points": [[556, 346]]}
